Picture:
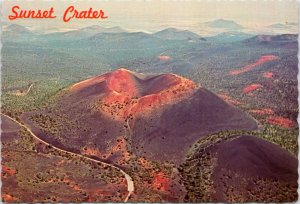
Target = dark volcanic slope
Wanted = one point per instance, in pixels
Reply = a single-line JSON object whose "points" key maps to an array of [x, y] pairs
{"points": [[243, 169], [167, 134], [122, 113]]}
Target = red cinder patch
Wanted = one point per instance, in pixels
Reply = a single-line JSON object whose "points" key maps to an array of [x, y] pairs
{"points": [[229, 99], [280, 121], [160, 181], [90, 151], [8, 170], [8, 198], [265, 111], [262, 60], [268, 75], [164, 57], [251, 87]]}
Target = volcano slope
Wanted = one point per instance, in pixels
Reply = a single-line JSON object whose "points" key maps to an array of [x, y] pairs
{"points": [[153, 125], [122, 114], [239, 168]]}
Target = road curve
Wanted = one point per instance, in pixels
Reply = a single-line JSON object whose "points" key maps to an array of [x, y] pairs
{"points": [[130, 184], [28, 90]]}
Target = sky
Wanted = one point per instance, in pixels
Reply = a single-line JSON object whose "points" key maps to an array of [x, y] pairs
{"points": [[153, 15]]}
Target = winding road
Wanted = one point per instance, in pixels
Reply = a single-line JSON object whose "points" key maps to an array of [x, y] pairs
{"points": [[28, 90], [130, 184]]}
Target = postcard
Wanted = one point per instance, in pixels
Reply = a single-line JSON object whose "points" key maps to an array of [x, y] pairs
{"points": [[149, 101]]}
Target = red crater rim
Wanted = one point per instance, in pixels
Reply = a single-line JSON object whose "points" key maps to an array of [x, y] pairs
{"points": [[128, 93]]}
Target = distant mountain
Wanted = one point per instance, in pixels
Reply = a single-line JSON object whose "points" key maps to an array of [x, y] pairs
{"points": [[141, 43], [285, 37], [230, 37], [16, 33], [293, 24], [224, 24], [277, 25], [5, 23], [17, 28], [123, 39], [84, 32], [98, 29], [283, 26], [273, 38], [176, 34]]}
